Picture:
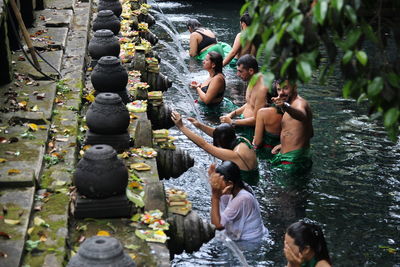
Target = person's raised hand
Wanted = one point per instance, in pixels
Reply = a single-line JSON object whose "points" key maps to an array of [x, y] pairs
{"points": [[177, 119], [294, 259], [278, 101], [276, 149], [211, 169], [194, 84], [195, 122], [225, 119]]}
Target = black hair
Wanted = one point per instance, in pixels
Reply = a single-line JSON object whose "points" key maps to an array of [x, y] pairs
{"points": [[217, 59], [246, 18], [193, 23], [248, 61], [231, 172], [308, 234], [224, 136]]}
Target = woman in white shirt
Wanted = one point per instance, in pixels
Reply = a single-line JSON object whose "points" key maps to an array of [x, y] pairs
{"points": [[234, 207]]}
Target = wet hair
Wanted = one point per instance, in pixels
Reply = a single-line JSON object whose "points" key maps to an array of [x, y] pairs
{"points": [[308, 234], [246, 18], [231, 172], [248, 61], [224, 136], [193, 23], [217, 59]]}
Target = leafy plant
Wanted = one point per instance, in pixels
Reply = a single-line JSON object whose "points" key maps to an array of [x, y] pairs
{"points": [[361, 37]]}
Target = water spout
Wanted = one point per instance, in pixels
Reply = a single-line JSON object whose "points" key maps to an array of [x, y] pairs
{"points": [[221, 236]]}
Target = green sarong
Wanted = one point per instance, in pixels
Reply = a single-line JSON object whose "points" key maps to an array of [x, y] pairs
{"points": [[311, 263], [220, 47], [233, 63], [226, 106], [294, 162], [269, 142]]}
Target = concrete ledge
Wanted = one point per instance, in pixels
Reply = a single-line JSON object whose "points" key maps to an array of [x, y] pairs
{"points": [[18, 203]]}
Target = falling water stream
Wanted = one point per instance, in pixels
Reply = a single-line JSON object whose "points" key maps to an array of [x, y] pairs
{"points": [[353, 190]]}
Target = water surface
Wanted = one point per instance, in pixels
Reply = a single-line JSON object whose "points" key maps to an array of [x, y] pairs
{"points": [[353, 190]]}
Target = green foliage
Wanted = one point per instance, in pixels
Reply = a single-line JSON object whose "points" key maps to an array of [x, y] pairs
{"points": [[361, 37]]}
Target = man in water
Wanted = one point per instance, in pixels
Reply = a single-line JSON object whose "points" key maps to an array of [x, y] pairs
{"points": [[256, 93], [237, 49], [293, 154]]}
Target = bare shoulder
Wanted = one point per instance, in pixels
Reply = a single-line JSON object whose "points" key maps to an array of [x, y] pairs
{"points": [[300, 102], [323, 263]]}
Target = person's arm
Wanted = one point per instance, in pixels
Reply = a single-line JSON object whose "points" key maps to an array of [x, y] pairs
{"points": [[276, 149], [297, 111], [214, 86], [193, 44], [261, 97], [221, 153], [235, 49], [260, 128], [201, 126]]}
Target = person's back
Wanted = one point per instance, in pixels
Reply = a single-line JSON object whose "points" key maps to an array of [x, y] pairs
{"points": [[238, 49], [246, 226]]}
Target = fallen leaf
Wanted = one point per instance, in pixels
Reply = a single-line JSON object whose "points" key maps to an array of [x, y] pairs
{"points": [[81, 238], [62, 139], [12, 222], [82, 227], [30, 230], [40, 222], [31, 245], [3, 140], [132, 255], [40, 96], [33, 126], [41, 127], [5, 235], [13, 171], [3, 255], [134, 247], [103, 233], [22, 104], [90, 97], [2, 160], [42, 236], [35, 108]]}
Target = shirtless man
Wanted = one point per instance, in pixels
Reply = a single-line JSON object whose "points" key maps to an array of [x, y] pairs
{"points": [[293, 154], [247, 68], [237, 49]]}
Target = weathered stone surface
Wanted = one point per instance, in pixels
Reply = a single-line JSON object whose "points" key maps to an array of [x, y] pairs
{"points": [[39, 98], [161, 254], [120, 229], [18, 203], [54, 18], [59, 4], [143, 133], [23, 158], [154, 197], [53, 57], [51, 38]]}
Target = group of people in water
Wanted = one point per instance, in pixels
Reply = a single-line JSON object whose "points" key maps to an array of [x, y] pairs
{"points": [[274, 124]]}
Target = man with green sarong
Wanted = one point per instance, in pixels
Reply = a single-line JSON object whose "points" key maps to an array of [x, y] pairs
{"points": [[256, 93], [293, 154], [237, 49]]}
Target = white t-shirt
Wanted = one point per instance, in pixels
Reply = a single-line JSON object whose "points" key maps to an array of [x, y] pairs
{"points": [[241, 216]]}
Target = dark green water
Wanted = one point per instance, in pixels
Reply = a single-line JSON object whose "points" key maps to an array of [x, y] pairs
{"points": [[353, 190]]}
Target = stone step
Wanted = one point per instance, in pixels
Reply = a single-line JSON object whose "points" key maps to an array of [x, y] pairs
{"points": [[38, 96], [53, 57], [49, 38], [53, 18], [18, 204], [23, 157], [59, 4]]}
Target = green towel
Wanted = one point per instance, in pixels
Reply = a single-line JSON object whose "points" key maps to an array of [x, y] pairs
{"points": [[294, 162]]}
